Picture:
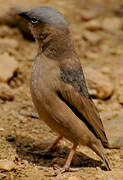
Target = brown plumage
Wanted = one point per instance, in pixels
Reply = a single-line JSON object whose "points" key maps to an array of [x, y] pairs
{"points": [[58, 86]]}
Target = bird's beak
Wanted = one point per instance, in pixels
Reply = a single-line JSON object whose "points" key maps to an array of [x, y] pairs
{"points": [[24, 15]]}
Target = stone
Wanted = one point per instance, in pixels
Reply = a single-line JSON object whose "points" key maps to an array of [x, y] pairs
{"points": [[8, 65], [92, 37], [88, 14], [114, 130], [6, 93], [10, 17], [8, 43], [10, 139], [73, 178], [99, 85], [93, 25], [45, 143], [112, 23], [1, 129], [91, 55], [106, 70], [8, 31], [7, 165]]}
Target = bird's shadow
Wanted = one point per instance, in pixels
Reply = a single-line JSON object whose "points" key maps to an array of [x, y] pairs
{"points": [[25, 145]]}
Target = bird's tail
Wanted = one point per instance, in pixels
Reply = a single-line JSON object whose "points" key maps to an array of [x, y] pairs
{"points": [[99, 150]]}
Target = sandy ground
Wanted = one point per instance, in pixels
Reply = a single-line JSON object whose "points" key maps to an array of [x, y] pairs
{"points": [[97, 29]]}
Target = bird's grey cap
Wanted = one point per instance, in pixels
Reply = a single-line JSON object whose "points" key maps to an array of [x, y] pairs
{"points": [[47, 15]]}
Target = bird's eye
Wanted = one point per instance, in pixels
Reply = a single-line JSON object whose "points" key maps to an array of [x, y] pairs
{"points": [[34, 21]]}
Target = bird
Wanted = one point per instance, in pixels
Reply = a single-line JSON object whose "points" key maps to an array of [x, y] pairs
{"points": [[58, 86]]}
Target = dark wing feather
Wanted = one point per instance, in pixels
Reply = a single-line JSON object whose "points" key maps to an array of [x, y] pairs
{"points": [[74, 93]]}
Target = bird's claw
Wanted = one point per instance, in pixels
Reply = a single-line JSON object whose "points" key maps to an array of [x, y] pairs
{"points": [[65, 169]]}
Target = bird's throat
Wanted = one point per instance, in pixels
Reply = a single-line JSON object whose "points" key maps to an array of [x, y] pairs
{"points": [[55, 46]]}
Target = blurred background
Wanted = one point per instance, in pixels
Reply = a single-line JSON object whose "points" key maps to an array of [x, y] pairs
{"points": [[97, 30]]}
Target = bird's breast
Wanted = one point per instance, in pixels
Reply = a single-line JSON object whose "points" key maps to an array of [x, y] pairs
{"points": [[44, 79]]}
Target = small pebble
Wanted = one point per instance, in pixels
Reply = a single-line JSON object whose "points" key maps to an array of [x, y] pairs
{"points": [[112, 23], [10, 139], [7, 165], [73, 178], [8, 65], [1, 129], [102, 87], [6, 93], [93, 25]]}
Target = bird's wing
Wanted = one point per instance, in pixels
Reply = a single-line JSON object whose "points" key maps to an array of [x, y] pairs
{"points": [[74, 93]]}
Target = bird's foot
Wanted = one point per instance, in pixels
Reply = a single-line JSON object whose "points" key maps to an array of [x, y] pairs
{"points": [[65, 169], [59, 171]]}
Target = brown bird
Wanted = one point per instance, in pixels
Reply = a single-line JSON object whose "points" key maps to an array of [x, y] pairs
{"points": [[58, 86]]}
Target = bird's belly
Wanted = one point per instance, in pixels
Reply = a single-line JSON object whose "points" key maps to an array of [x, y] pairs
{"points": [[43, 96], [39, 100], [57, 126], [44, 115]]}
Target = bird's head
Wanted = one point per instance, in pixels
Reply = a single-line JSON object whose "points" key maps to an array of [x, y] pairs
{"points": [[48, 27]]}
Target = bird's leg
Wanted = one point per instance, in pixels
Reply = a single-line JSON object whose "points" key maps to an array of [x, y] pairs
{"points": [[69, 159], [49, 149], [53, 145], [66, 167]]}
